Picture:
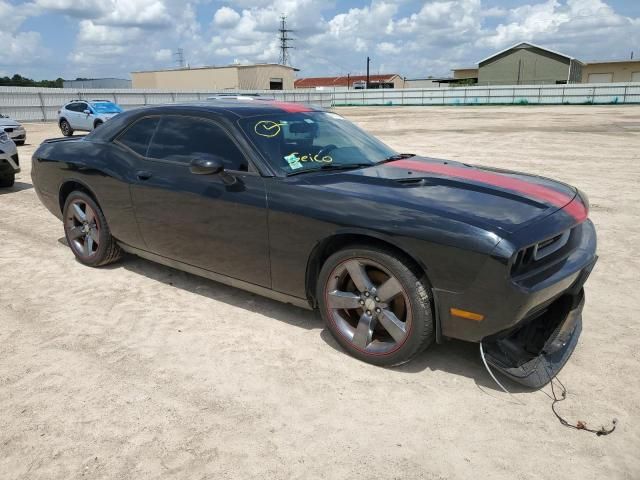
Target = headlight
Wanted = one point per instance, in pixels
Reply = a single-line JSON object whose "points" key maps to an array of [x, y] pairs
{"points": [[4, 137]]}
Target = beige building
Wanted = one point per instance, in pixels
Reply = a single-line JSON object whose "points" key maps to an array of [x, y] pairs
{"points": [[611, 71], [465, 73], [267, 76]]}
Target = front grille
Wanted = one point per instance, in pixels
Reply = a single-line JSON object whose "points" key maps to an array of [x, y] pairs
{"points": [[15, 159], [539, 257]]}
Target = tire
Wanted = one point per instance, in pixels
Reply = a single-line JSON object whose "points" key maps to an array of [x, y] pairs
{"points": [[8, 180], [20, 143], [376, 304], [65, 128], [87, 231], [97, 124]]}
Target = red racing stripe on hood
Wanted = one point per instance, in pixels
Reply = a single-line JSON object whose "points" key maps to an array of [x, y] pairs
{"points": [[574, 208], [291, 107]]}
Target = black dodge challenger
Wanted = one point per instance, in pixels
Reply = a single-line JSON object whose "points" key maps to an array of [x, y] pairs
{"points": [[298, 204]]}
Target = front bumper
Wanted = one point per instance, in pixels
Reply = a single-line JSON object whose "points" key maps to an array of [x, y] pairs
{"points": [[9, 164], [532, 354], [17, 134], [507, 302]]}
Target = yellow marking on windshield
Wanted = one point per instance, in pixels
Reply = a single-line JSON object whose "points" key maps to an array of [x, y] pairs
{"points": [[267, 128], [313, 158]]}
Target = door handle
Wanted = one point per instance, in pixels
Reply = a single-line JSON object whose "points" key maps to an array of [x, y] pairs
{"points": [[143, 175]]}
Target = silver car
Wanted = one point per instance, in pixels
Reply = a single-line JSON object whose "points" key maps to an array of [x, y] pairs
{"points": [[13, 128], [85, 115], [9, 162]]}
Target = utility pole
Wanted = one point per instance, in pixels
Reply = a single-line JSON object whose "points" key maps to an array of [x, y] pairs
{"points": [[368, 62], [284, 41], [348, 81], [179, 56]]}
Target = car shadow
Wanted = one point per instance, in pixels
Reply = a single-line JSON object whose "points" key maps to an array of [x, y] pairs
{"points": [[17, 187], [453, 356]]}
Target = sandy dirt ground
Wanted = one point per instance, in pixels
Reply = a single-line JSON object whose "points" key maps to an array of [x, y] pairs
{"points": [[140, 371]]}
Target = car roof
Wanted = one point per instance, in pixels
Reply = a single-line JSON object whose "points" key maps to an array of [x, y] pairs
{"points": [[228, 108], [237, 108]]}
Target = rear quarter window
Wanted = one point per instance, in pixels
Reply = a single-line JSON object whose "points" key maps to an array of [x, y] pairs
{"points": [[138, 136]]}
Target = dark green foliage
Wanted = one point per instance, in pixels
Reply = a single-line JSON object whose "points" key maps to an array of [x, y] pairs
{"points": [[20, 81]]}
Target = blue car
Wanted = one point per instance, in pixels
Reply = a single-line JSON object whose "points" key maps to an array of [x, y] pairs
{"points": [[85, 115]]}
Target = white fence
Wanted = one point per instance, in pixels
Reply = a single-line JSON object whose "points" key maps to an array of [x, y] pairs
{"points": [[42, 104]]}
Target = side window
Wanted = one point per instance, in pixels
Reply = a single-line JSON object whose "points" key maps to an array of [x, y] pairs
{"points": [[182, 138], [138, 135], [74, 107]]}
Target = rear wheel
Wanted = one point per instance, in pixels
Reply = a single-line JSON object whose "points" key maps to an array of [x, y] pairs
{"points": [[376, 304], [8, 180], [87, 232], [65, 128]]}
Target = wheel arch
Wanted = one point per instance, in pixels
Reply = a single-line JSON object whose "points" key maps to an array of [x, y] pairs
{"points": [[341, 240], [97, 122], [71, 186]]}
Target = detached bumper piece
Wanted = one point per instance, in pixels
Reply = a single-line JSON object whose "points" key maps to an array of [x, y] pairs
{"points": [[536, 350]]}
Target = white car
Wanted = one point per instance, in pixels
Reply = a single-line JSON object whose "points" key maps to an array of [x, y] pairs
{"points": [[85, 115], [13, 128], [9, 162]]}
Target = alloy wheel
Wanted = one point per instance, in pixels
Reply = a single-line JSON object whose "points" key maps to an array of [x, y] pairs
{"points": [[82, 228], [369, 306]]}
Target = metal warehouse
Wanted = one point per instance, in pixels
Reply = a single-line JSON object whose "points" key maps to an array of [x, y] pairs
{"points": [[526, 63], [88, 83], [529, 64], [267, 76]]}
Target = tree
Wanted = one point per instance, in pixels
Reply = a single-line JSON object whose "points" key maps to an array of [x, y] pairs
{"points": [[19, 81]]}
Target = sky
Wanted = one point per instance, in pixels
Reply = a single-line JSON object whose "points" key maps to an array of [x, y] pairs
{"points": [[47, 39]]}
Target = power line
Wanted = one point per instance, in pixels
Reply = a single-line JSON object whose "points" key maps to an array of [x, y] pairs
{"points": [[285, 41]]}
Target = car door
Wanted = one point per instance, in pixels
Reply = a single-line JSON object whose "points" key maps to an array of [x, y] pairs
{"points": [[216, 222], [85, 119], [72, 114]]}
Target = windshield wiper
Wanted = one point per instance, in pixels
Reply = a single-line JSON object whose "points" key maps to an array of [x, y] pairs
{"points": [[398, 156], [350, 166]]}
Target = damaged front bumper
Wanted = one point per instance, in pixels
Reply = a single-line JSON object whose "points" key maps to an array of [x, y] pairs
{"points": [[534, 351]]}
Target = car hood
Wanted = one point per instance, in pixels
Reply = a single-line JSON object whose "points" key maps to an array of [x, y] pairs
{"points": [[489, 198], [8, 122]]}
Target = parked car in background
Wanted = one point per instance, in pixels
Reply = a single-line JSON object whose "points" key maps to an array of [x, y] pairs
{"points": [[298, 204], [85, 115], [9, 162], [13, 129]]}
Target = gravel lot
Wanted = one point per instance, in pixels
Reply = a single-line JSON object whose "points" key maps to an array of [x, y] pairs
{"points": [[140, 371]]}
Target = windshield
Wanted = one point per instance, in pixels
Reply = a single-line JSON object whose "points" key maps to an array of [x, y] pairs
{"points": [[106, 107], [301, 142]]}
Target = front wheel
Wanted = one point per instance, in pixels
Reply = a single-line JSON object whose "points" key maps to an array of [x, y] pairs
{"points": [[8, 180], [65, 128], [87, 232], [376, 304]]}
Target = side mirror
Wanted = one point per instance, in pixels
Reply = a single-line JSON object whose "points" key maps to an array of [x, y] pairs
{"points": [[88, 112], [206, 166]]}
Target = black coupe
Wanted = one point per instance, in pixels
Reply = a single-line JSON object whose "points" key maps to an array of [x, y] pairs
{"points": [[298, 204]]}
